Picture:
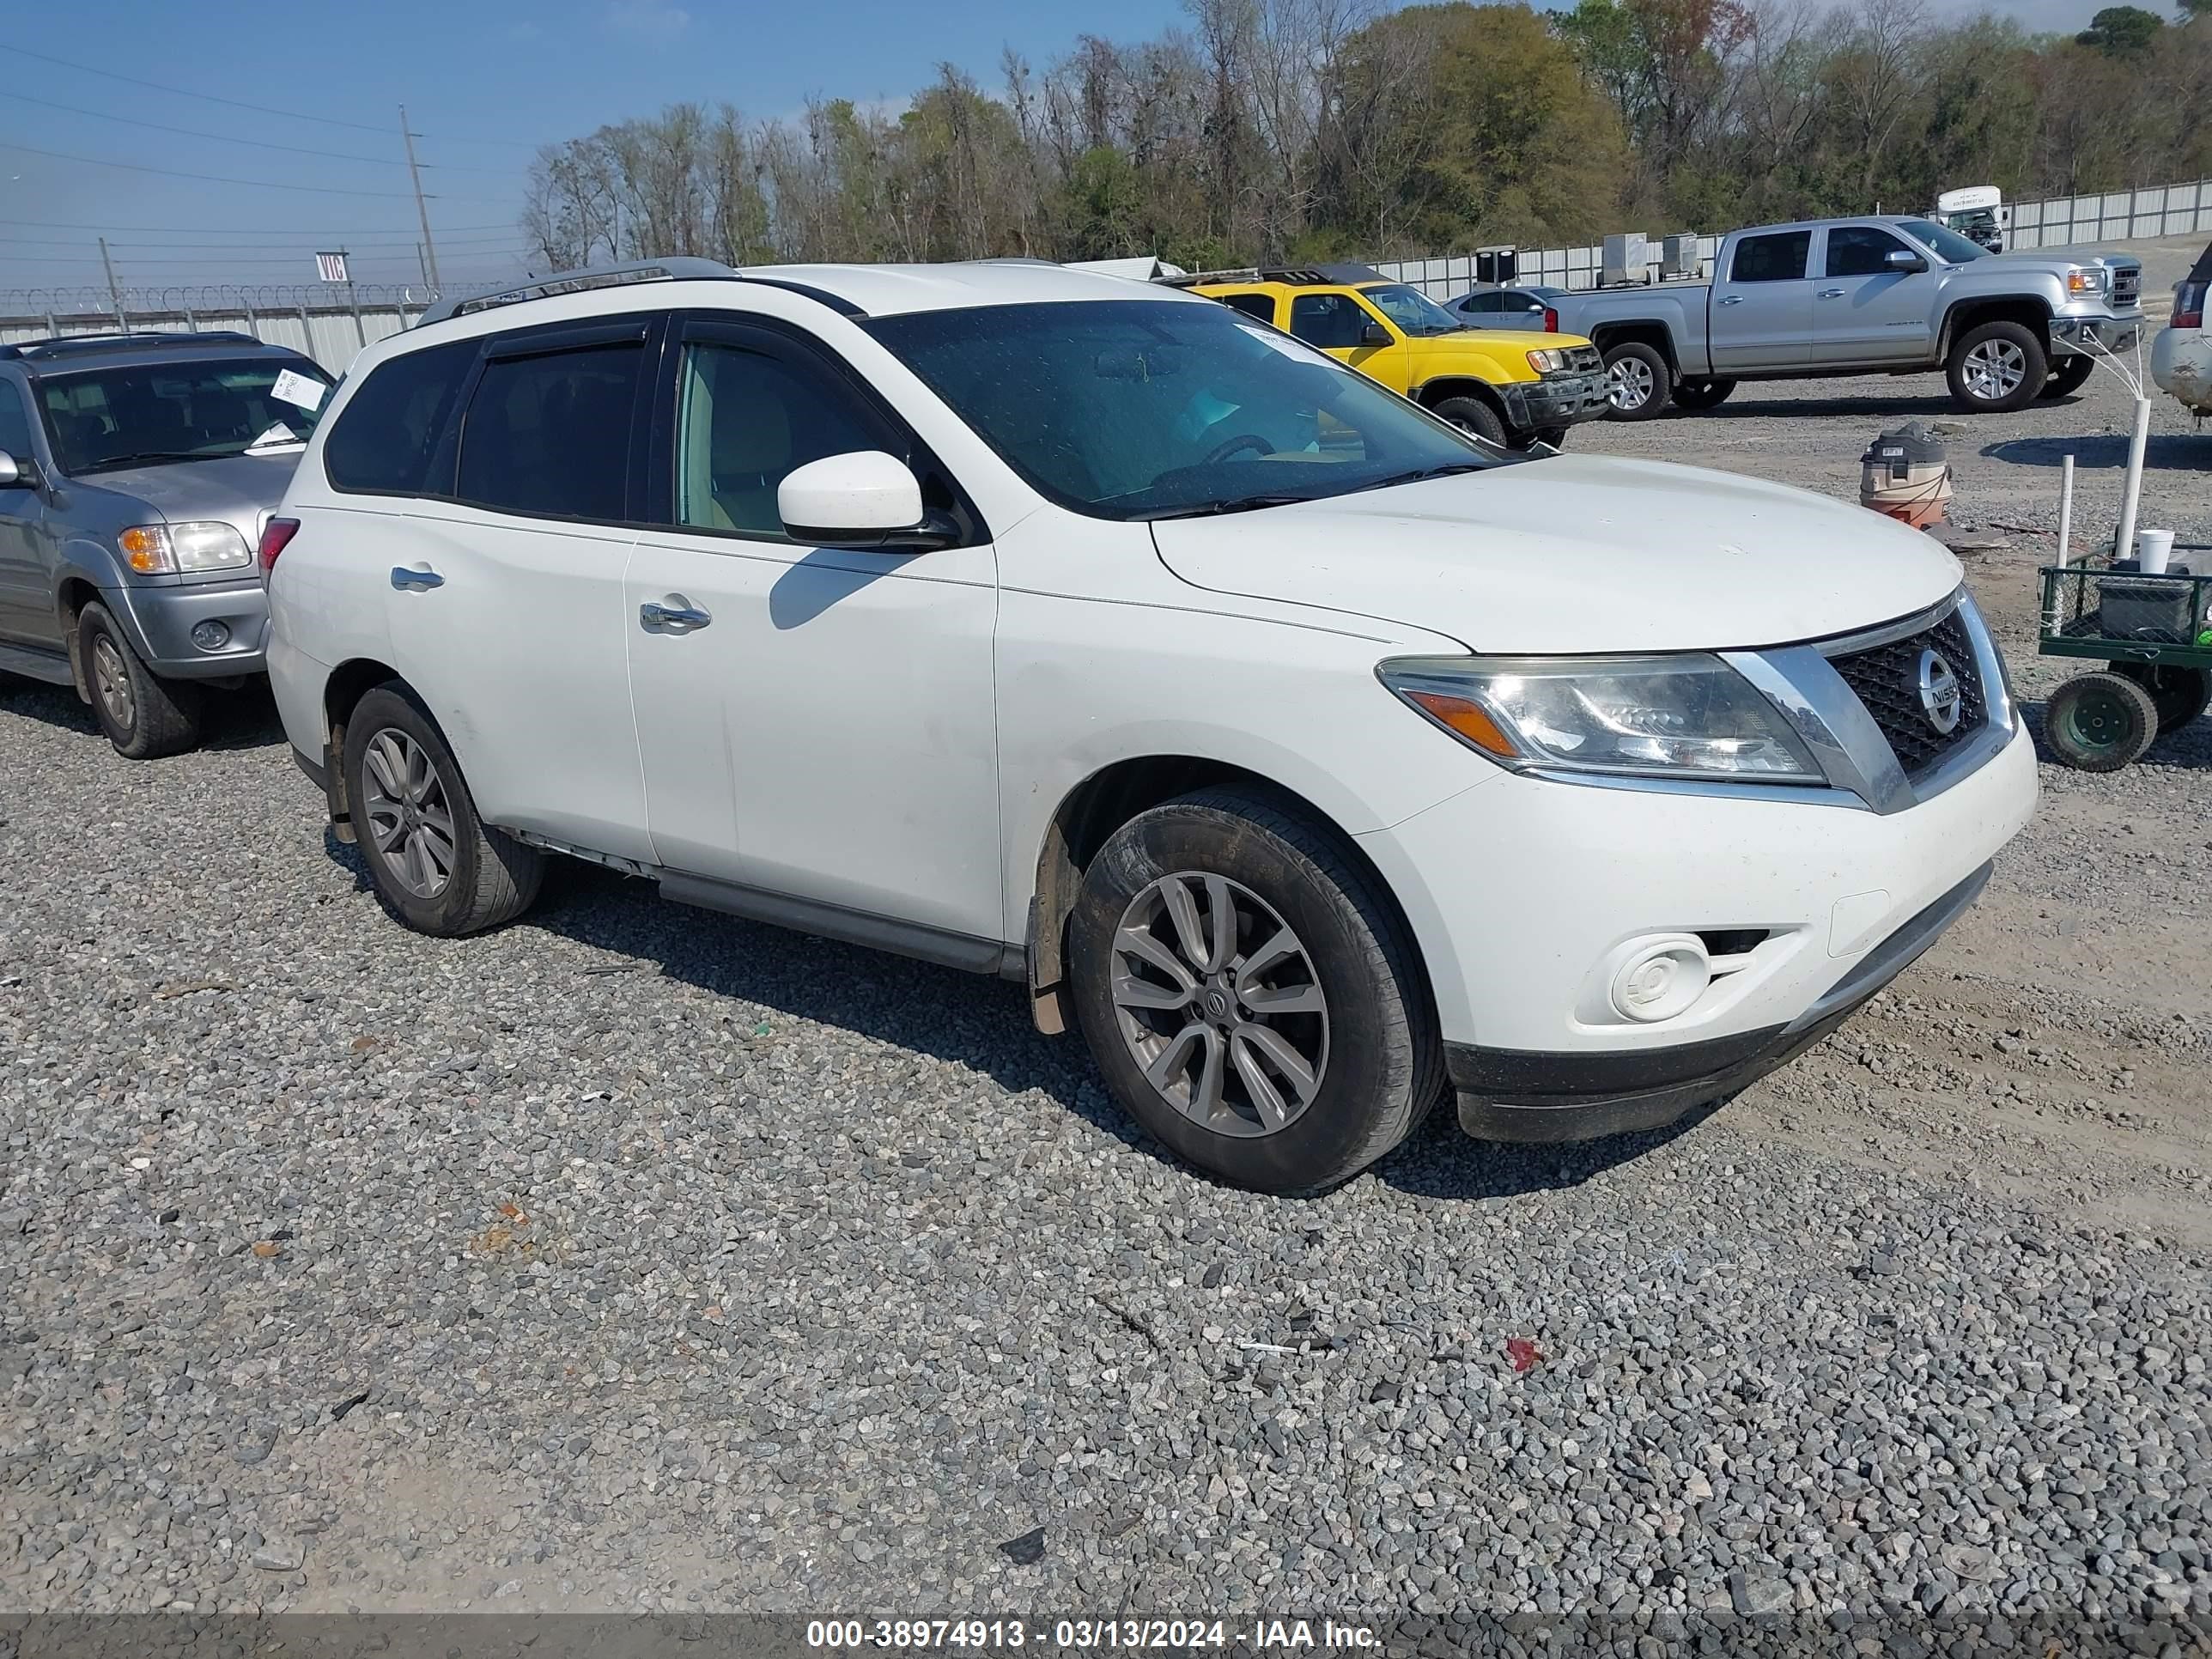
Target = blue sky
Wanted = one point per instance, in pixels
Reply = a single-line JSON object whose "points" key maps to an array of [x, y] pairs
{"points": [[483, 83]]}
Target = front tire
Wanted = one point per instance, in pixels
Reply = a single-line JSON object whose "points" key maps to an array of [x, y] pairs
{"points": [[2099, 722], [2069, 376], [1702, 394], [1639, 382], [1997, 367], [436, 864], [1474, 416], [1250, 994], [144, 716]]}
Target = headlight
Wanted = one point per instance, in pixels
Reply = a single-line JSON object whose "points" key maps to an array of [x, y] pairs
{"points": [[165, 549], [1673, 716], [1548, 363], [2091, 281]]}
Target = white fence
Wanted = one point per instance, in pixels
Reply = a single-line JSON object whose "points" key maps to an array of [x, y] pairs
{"points": [[331, 335], [2063, 221]]}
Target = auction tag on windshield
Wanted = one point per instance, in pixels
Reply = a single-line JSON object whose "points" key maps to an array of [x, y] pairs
{"points": [[1275, 341], [298, 390]]}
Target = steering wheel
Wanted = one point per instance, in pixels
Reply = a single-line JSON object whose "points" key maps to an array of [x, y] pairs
{"points": [[1228, 446]]}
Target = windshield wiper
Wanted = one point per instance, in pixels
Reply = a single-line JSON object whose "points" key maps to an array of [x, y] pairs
{"points": [[1227, 504], [1421, 473], [144, 458]]}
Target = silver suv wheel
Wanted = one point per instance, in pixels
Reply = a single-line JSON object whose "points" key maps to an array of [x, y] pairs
{"points": [[110, 679], [1219, 1005], [410, 821]]}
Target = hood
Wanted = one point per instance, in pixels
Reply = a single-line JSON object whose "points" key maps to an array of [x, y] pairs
{"points": [[1509, 342], [1574, 554], [238, 489], [2056, 264]]}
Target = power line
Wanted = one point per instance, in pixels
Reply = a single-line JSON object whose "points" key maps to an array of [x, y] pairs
{"points": [[359, 243], [305, 230], [221, 178], [225, 138], [234, 103]]}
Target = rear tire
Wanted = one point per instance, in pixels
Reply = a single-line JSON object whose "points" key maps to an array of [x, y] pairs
{"points": [[2099, 722], [1702, 394], [1638, 383], [2180, 695], [144, 716], [1997, 367], [1472, 415], [2069, 376], [1285, 1052], [434, 864]]}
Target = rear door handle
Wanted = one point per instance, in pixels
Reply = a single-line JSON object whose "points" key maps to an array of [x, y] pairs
{"points": [[673, 615], [417, 581], [1832, 293], [1731, 300]]}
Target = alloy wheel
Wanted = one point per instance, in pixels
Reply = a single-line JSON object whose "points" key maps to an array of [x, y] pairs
{"points": [[110, 679], [1994, 370], [411, 822], [1629, 383], [1217, 1001]]}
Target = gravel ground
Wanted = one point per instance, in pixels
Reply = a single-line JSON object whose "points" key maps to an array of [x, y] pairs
{"points": [[634, 1257]]}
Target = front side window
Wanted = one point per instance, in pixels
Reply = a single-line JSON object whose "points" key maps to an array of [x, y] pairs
{"points": [[1413, 311], [385, 438], [549, 435], [1334, 322], [743, 420], [1861, 251], [149, 414], [1147, 409], [1776, 258], [14, 424]]}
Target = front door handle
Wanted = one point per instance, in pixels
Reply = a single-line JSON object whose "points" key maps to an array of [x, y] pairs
{"points": [[679, 614], [414, 581], [1832, 293], [1731, 300]]}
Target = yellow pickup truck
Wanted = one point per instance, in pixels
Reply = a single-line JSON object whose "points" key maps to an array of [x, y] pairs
{"points": [[1512, 388]]}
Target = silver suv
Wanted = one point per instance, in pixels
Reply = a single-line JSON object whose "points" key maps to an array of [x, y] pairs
{"points": [[136, 473]]}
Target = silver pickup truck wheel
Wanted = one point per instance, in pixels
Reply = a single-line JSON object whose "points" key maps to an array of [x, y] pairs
{"points": [[1638, 382], [1996, 367]]}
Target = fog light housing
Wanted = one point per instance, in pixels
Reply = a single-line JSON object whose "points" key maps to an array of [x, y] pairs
{"points": [[211, 636], [1659, 977]]}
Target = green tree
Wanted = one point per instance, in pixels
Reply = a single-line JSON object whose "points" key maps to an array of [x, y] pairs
{"points": [[2122, 31]]}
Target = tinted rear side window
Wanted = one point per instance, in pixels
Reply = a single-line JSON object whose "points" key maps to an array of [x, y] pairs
{"points": [[1262, 306], [549, 436], [1778, 258], [389, 430]]}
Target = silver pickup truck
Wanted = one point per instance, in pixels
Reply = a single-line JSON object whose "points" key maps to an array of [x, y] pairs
{"points": [[1861, 297]]}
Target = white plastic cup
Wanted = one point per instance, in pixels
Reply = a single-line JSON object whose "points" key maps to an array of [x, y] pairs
{"points": [[2154, 548]]}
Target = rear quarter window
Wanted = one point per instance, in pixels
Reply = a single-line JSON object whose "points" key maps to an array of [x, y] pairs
{"points": [[386, 437]]}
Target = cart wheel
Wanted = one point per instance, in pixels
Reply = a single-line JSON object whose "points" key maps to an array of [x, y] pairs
{"points": [[2180, 695], [2099, 722]]}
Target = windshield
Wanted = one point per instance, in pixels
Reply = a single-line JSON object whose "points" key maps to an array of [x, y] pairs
{"points": [[1413, 311], [1947, 244], [144, 414], [1146, 409]]}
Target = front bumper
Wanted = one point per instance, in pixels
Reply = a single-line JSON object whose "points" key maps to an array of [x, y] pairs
{"points": [[1508, 1094], [2094, 335], [160, 620], [1564, 398]]}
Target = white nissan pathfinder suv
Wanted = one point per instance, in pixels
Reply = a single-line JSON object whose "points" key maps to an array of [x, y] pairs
{"points": [[1304, 753]]}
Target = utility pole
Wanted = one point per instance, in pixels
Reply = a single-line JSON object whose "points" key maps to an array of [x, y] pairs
{"points": [[114, 294], [422, 212]]}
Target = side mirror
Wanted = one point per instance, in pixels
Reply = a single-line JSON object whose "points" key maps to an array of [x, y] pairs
{"points": [[1374, 335], [1899, 259], [18, 474], [866, 499]]}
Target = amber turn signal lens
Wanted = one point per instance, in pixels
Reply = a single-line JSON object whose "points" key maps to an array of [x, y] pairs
{"points": [[1470, 719], [145, 547]]}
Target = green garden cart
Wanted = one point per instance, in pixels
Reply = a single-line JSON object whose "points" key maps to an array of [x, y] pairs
{"points": [[2154, 634]]}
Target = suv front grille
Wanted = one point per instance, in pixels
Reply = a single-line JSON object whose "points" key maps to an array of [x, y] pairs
{"points": [[2127, 285], [1886, 679], [1584, 360]]}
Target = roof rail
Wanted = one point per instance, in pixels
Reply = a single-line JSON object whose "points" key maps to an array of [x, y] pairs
{"points": [[1329, 276], [577, 281], [57, 344]]}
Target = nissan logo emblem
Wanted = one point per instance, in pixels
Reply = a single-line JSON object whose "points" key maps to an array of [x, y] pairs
{"points": [[1941, 698]]}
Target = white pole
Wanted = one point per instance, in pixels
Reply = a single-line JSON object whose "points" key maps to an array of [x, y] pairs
{"points": [[2066, 511], [2124, 545]]}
